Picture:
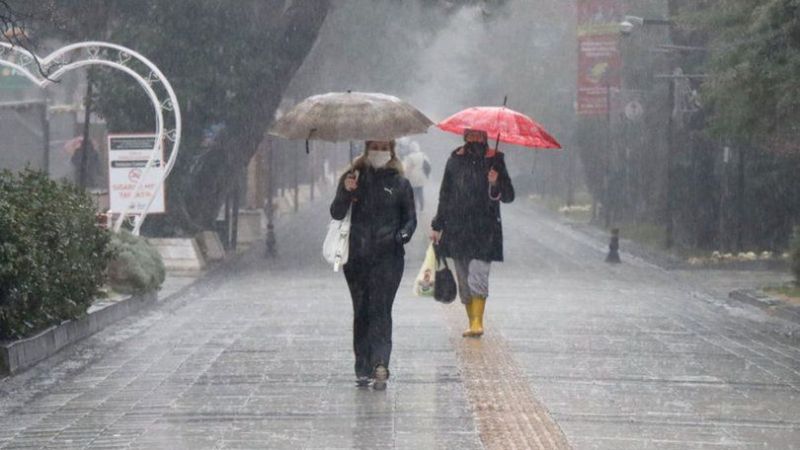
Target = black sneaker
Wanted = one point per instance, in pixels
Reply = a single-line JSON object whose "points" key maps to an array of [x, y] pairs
{"points": [[381, 375], [362, 382]]}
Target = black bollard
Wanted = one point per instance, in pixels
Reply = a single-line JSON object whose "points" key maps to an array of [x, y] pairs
{"points": [[613, 248], [271, 251]]}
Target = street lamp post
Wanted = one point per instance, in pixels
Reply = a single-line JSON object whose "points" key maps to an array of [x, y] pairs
{"points": [[234, 223], [723, 197], [609, 152], [271, 251], [670, 156]]}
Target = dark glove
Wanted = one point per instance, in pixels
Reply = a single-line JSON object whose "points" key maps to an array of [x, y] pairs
{"points": [[402, 237]]}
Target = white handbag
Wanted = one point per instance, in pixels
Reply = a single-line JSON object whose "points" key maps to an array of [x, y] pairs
{"points": [[336, 247]]}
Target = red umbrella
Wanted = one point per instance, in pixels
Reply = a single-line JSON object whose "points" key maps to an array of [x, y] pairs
{"points": [[501, 123]]}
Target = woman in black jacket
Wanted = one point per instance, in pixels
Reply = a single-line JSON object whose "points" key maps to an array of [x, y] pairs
{"points": [[382, 221], [467, 226]]}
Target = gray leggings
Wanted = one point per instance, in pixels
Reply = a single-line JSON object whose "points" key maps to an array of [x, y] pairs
{"points": [[472, 276]]}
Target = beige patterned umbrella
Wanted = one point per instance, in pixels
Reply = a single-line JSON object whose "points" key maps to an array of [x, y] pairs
{"points": [[351, 116]]}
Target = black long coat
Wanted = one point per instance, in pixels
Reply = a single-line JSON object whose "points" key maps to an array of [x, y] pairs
{"points": [[383, 217], [469, 214]]}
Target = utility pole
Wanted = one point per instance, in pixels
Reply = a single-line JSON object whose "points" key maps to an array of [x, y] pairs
{"points": [[606, 175], [669, 239], [671, 150], [235, 209], [726, 157], [570, 181], [740, 201], [270, 239]]}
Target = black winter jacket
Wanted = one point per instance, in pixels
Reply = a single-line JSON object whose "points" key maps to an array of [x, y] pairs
{"points": [[383, 217], [469, 214]]}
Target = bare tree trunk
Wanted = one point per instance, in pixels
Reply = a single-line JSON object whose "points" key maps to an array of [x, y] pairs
{"points": [[297, 30]]}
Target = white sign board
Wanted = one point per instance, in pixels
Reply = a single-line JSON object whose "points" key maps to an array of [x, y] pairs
{"points": [[127, 157]]}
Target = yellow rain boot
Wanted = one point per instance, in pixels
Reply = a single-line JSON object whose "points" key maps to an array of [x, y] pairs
{"points": [[475, 310], [478, 306], [470, 315]]}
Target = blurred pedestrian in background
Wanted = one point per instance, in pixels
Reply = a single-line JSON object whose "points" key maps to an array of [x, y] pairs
{"points": [[418, 169]]}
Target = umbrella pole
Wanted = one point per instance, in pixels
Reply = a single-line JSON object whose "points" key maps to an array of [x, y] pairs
{"points": [[497, 142]]}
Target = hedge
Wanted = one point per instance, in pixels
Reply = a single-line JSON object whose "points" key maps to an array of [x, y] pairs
{"points": [[52, 255], [136, 266]]}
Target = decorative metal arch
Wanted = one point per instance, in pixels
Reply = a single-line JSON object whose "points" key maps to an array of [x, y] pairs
{"points": [[149, 77]]}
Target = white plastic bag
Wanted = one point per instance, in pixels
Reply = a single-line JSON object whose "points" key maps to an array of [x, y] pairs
{"points": [[336, 247], [423, 284]]}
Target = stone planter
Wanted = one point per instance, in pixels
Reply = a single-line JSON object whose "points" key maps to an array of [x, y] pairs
{"points": [[16, 356]]}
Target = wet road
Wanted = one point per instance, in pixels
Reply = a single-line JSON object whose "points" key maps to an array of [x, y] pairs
{"points": [[615, 357]]}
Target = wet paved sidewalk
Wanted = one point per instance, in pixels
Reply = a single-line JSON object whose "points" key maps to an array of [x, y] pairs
{"points": [[627, 356], [631, 356]]}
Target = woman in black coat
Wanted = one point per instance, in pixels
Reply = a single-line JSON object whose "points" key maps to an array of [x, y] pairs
{"points": [[467, 226], [382, 221]]}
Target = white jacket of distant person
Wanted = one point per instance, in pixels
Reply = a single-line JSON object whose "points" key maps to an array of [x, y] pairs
{"points": [[417, 166]]}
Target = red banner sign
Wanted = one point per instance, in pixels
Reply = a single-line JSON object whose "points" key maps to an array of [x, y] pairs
{"points": [[599, 66], [599, 61]]}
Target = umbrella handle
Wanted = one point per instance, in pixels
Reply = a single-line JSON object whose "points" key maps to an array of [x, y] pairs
{"points": [[495, 197], [310, 133]]}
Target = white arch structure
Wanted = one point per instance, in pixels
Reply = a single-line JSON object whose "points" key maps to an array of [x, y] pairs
{"points": [[146, 74]]}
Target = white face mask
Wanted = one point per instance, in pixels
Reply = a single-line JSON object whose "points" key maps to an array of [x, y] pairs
{"points": [[378, 159]]}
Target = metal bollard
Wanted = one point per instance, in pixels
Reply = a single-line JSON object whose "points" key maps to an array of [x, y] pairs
{"points": [[613, 247]]}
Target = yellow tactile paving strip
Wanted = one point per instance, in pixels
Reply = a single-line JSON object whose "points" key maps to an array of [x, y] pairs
{"points": [[507, 413]]}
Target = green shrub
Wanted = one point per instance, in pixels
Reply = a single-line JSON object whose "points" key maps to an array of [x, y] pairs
{"points": [[136, 266], [794, 252], [52, 255]]}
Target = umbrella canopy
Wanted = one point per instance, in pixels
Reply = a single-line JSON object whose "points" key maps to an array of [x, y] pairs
{"points": [[73, 145], [501, 123], [345, 116]]}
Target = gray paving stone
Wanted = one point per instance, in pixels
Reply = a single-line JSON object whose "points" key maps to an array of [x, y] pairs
{"points": [[624, 357]]}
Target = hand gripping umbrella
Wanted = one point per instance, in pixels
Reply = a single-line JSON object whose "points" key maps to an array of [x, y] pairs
{"points": [[504, 124]]}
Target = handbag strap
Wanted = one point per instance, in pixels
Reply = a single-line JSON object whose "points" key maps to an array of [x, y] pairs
{"points": [[346, 221], [439, 258]]}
